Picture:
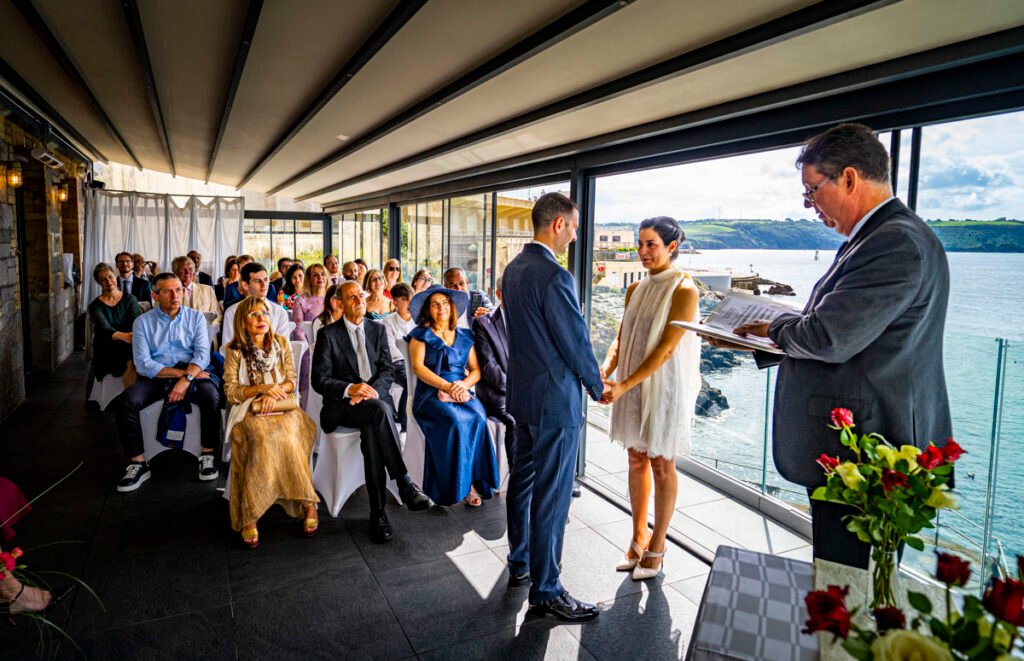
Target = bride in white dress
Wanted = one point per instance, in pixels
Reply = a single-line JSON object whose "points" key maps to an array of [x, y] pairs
{"points": [[657, 379]]}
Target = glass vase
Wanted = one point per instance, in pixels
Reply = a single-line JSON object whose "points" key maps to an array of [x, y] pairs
{"points": [[883, 578]]}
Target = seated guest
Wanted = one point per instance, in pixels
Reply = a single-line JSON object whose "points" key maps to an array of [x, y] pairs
{"points": [[334, 275], [460, 462], [293, 282], [139, 264], [398, 325], [455, 278], [361, 268], [352, 370], [130, 283], [112, 313], [491, 335], [283, 265], [203, 278], [392, 275], [171, 349], [421, 281], [196, 296], [257, 283], [234, 292], [231, 275], [310, 304], [377, 304], [332, 311], [269, 453], [350, 271]]}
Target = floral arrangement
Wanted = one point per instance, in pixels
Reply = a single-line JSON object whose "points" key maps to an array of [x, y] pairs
{"points": [[9, 562], [894, 492], [988, 629]]}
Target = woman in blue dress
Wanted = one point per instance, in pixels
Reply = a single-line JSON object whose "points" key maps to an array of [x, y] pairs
{"points": [[460, 462]]}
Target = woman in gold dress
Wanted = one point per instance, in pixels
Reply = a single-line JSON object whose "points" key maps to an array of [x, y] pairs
{"points": [[271, 437]]}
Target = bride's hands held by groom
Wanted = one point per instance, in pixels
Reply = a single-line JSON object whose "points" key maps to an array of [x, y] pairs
{"points": [[612, 391]]}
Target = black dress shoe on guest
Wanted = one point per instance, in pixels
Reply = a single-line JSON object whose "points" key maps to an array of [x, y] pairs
{"points": [[380, 528], [518, 580], [566, 608], [576, 493], [413, 497]]}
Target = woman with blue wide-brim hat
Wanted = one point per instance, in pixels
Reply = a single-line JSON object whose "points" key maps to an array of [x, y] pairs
{"points": [[459, 462]]}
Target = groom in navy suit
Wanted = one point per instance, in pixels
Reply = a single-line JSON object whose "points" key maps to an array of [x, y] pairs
{"points": [[549, 358]]}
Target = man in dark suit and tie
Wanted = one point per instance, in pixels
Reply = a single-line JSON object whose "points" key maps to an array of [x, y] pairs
{"points": [[549, 358], [490, 333], [203, 278], [128, 282], [352, 371], [869, 338]]}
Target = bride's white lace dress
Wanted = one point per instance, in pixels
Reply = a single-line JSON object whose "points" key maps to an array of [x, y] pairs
{"points": [[656, 417]]}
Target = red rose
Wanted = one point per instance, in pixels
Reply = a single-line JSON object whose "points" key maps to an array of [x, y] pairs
{"points": [[951, 451], [1005, 600], [17, 552], [828, 463], [8, 561], [930, 458], [827, 611], [892, 479], [842, 417], [952, 570], [889, 618]]}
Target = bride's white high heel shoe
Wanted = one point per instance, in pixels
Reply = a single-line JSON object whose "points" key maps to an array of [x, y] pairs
{"points": [[643, 573], [627, 562]]}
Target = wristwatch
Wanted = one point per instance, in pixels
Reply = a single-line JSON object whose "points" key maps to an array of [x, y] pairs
{"points": [[189, 378]]}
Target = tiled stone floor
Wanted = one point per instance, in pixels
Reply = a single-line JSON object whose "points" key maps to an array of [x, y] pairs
{"points": [[176, 584]]}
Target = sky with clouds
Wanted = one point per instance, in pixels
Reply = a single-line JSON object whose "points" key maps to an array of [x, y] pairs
{"points": [[969, 169]]}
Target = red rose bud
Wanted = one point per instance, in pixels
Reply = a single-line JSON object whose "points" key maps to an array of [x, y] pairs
{"points": [[952, 451], [828, 463], [930, 458], [892, 479], [1005, 600], [8, 561], [952, 570], [17, 552], [842, 417], [827, 611], [889, 618]]}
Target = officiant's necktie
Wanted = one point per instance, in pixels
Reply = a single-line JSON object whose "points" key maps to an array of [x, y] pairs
{"points": [[364, 362]]}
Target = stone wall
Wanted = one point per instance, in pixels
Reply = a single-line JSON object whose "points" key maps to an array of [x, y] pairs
{"points": [[50, 229]]}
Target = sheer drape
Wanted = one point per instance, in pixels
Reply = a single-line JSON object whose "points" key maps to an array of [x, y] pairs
{"points": [[160, 228]]}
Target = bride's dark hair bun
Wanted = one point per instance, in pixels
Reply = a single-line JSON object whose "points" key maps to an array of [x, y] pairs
{"points": [[668, 229]]}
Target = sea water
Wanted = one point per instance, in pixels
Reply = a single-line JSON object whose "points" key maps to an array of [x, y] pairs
{"points": [[985, 303]]}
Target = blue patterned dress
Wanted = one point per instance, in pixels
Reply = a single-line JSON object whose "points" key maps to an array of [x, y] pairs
{"points": [[458, 448]]}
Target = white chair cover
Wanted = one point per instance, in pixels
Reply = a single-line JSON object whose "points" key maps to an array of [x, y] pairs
{"points": [[497, 430], [414, 450], [150, 416], [106, 390]]}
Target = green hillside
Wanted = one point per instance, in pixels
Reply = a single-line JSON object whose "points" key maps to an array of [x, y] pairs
{"points": [[955, 235]]}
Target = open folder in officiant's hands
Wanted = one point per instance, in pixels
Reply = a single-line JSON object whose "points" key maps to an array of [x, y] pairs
{"points": [[735, 310]]}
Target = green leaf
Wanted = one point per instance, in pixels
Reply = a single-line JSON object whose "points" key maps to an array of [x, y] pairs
{"points": [[915, 543], [819, 493], [920, 602], [858, 648]]}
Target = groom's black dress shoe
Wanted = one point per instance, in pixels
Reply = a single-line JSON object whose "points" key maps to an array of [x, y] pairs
{"points": [[380, 528], [413, 497], [565, 607]]}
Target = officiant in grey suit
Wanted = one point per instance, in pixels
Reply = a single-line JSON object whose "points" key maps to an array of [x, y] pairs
{"points": [[869, 338]]}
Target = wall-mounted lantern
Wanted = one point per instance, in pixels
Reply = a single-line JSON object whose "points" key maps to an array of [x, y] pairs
{"points": [[62, 193], [14, 176]]}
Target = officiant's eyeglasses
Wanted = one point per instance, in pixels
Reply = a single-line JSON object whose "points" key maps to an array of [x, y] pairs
{"points": [[808, 194]]}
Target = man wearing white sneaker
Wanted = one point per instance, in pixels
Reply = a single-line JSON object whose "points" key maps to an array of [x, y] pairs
{"points": [[171, 348]]}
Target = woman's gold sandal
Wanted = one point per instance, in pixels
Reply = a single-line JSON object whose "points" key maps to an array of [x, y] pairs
{"points": [[310, 526], [251, 537]]}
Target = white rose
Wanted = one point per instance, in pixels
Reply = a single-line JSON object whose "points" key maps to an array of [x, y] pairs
{"points": [[904, 645]]}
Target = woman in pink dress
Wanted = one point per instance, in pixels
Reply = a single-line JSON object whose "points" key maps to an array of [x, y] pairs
{"points": [[307, 306]]}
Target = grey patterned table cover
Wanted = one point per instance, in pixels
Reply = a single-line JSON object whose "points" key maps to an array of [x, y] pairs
{"points": [[753, 608]]}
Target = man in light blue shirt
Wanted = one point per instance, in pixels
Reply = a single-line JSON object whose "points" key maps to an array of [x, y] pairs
{"points": [[171, 350]]}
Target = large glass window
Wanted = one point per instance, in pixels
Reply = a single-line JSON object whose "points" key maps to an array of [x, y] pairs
{"points": [[469, 226], [269, 240], [423, 238], [359, 235], [514, 224]]}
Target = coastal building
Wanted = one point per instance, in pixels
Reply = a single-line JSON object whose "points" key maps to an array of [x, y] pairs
{"points": [[423, 131]]}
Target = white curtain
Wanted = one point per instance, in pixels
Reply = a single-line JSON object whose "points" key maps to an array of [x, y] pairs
{"points": [[160, 228]]}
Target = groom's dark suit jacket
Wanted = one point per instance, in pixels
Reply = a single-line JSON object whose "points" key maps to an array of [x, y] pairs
{"points": [[335, 367], [870, 340]]}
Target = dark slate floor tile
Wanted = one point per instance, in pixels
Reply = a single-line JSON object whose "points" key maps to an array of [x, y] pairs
{"points": [[175, 477], [151, 586], [653, 624], [419, 537], [338, 616], [206, 634], [541, 640], [56, 543], [453, 599], [77, 496], [197, 523]]}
